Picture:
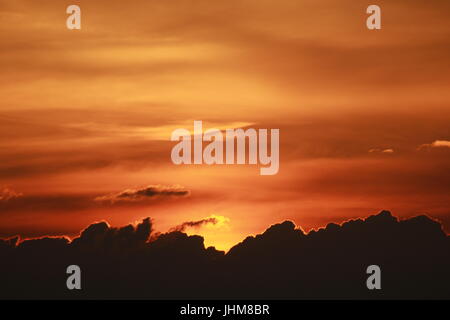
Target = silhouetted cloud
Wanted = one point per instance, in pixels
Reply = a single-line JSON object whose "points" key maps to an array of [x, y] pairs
{"points": [[100, 236], [189, 224], [148, 192], [10, 243], [282, 262]]}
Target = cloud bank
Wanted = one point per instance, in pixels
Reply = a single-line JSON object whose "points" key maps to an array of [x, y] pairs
{"points": [[282, 262]]}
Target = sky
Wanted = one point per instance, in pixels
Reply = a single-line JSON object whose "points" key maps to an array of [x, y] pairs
{"points": [[86, 115]]}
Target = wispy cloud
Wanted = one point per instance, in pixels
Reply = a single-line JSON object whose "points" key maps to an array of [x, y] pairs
{"points": [[218, 221], [8, 194], [144, 193], [436, 144]]}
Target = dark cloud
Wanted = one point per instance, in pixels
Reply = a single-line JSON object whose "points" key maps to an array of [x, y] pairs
{"points": [[8, 244], [282, 262], [12, 201], [145, 193], [194, 224], [100, 236]]}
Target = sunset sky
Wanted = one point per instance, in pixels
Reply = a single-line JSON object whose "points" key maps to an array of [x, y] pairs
{"points": [[86, 115]]}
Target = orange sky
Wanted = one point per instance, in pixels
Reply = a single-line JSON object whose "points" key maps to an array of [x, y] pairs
{"points": [[89, 113]]}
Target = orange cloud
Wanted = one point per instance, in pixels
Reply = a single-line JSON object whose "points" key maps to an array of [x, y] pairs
{"points": [[436, 144], [8, 194]]}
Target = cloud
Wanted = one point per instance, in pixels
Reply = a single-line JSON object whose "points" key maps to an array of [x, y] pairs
{"points": [[376, 150], [101, 236], [281, 262], [436, 144], [145, 193], [213, 220], [8, 194]]}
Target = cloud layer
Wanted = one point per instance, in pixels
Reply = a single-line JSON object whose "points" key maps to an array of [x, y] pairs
{"points": [[282, 262], [195, 224], [145, 193]]}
